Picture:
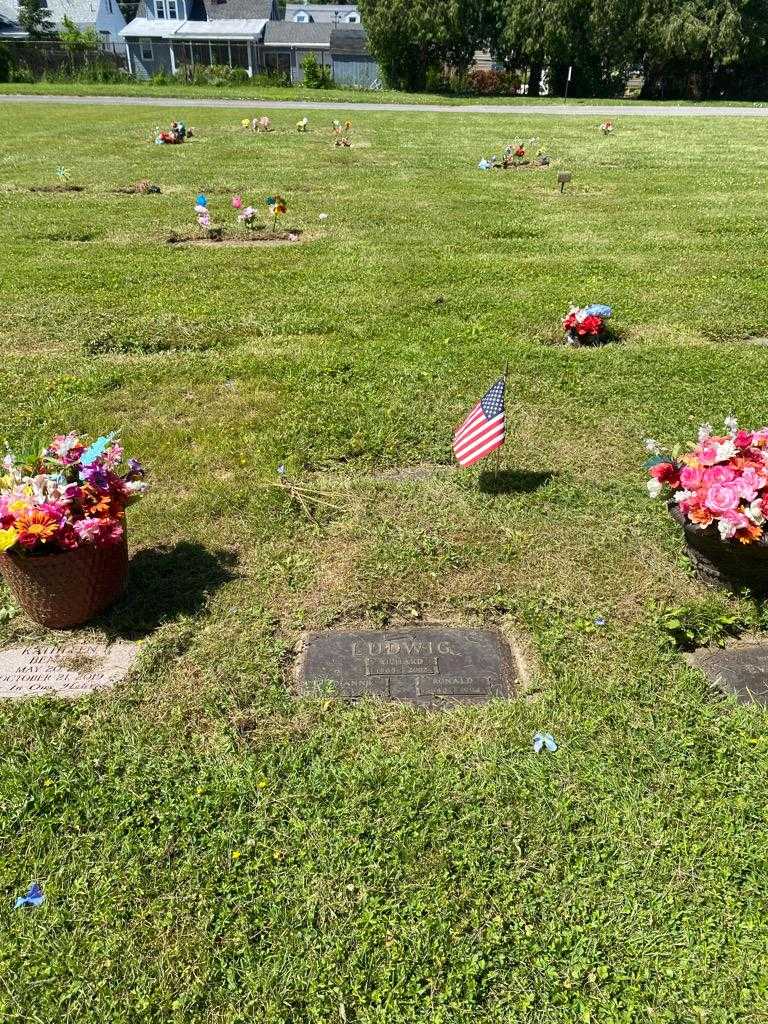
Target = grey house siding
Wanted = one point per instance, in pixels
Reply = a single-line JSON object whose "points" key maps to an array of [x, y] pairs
{"points": [[161, 58], [355, 70]]}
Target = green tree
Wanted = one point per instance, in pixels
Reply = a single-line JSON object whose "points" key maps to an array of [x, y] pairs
{"points": [[409, 37], [77, 40], [35, 19]]}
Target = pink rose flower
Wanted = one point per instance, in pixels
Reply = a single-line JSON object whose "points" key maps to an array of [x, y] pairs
{"points": [[692, 477], [237, 202], [722, 498], [718, 475]]}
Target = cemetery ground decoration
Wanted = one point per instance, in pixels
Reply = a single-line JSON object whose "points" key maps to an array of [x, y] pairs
{"points": [[517, 157], [63, 541], [587, 326], [429, 666], [717, 493], [250, 230], [64, 184]]}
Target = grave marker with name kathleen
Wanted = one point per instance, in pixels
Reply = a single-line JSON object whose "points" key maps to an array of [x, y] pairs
{"points": [[431, 666], [71, 670]]}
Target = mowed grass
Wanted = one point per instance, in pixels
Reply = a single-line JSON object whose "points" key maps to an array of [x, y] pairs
{"points": [[213, 850]]}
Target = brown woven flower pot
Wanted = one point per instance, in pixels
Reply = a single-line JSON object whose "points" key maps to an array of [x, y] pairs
{"points": [[727, 563], [65, 590]]}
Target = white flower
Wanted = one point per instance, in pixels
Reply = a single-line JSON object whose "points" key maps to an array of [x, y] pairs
{"points": [[725, 451], [8, 462], [727, 530], [322, 216], [755, 513], [682, 495], [705, 431], [731, 425], [654, 487], [652, 446]]}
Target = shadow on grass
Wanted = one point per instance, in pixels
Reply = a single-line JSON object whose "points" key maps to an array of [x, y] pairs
{"points": [[166, 583], [512, 481]]}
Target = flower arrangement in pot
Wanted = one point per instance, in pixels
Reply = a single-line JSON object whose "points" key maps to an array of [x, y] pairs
{"points": [[63, 545], [586, 326], [717, 493]]}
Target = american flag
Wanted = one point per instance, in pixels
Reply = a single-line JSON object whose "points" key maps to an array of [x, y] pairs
{"points": [[483, 431]]}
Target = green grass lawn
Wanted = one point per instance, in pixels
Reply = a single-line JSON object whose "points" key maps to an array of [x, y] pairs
{"points": [[254, 93], [214, 851]]}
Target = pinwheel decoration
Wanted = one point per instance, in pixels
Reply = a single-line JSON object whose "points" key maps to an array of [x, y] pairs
{"points": [[277, 206], [62, 173]]}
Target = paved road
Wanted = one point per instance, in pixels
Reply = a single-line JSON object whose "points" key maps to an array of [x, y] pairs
{"points": [[559, 110]]}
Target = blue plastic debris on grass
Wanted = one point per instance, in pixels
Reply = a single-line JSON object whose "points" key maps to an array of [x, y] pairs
{"points": [[33, 898], [544, 741]]}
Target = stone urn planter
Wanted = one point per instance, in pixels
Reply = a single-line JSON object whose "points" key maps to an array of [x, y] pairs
{"points": [[67, 589], [726, 563]]}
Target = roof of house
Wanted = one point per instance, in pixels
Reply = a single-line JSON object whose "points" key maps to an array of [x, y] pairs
{"points": [[322, 13], [221, 28], [350, 42], [9, 21], [81, 12], [218, 10], [151, 28], [290, 33]]}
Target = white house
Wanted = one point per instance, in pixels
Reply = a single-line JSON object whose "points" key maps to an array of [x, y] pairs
{"points": [[104, 16], [323, 14]]}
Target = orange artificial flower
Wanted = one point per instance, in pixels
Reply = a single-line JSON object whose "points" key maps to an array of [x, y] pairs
{"points": [[748, 534], [35, 527], [700, 515]]}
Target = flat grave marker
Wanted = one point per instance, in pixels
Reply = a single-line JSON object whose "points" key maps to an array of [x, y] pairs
{"points": [[71, 670], [738, 671], [431, 666]]}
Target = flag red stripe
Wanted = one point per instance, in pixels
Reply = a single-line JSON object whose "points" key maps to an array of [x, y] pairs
{"points": [[464, 463], [489, 428], [476, 414], [470, 439], [485, 444]]}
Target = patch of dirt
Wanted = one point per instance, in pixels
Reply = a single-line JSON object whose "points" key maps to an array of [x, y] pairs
{"points": [[141, 188], [57, 188], [526, 167], [259, 238], [413, 474]]}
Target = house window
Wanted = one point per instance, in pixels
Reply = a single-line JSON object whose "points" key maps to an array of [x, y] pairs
{"points": [[352, 19], [277, 60], [172, 9], [146, 49]]}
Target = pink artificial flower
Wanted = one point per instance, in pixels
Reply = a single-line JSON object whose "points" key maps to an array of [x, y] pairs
{"points": [[748, 484], [88, 530], [722, 498], [691, 477], [743, 439], [715, 449], [730, 522], [718, 475], [204, 220], [237, 202]]}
